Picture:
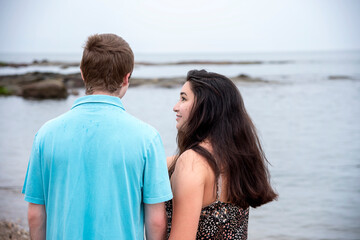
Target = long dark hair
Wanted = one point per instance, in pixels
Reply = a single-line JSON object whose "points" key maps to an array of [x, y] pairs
{"points": [[219, 116]]}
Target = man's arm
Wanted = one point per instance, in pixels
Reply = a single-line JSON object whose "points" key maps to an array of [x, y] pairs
{"points": [[155, 221], [37, 221]]}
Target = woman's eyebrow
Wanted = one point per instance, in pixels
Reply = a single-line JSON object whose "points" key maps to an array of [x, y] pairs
{"points": [[182, 93]]}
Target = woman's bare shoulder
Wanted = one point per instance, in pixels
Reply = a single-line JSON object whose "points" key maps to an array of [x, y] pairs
{"points": [[192, 161], [190, 173]]}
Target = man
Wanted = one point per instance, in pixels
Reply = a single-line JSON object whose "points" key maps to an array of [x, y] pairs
{"points": [[96, 172]]}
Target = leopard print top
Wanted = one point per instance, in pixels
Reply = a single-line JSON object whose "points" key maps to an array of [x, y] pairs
{"points": [[218, 220]]}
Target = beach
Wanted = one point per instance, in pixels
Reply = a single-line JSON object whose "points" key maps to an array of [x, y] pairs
{"points": [[306, 107]]}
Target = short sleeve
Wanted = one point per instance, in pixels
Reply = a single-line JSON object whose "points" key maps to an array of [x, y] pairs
{"points": [[33, 184], [156, 186]]}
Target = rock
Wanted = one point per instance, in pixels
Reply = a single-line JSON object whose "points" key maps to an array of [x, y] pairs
{"points": [[74, 81], [134, 82], [248, 79], [10, 90], [10, 230], [74, 92], [160, 82], [50, 88], [339, 77], [4, 91], [243, 76]]}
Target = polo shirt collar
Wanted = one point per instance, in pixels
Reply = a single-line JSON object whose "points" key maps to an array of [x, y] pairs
{"points": [[99, 99]]}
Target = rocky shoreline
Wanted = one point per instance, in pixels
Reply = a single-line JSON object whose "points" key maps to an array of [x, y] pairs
{"points": [[49, 85], [65, 65], [10, 230], [46, 85]]}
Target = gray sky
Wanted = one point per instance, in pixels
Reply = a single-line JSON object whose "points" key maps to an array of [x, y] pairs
{"points": [[181, 26]]}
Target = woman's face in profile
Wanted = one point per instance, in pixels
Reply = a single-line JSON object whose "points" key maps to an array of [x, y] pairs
{"points": [[184, 105]]}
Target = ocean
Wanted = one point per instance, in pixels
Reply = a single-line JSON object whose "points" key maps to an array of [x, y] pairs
{"points": [[307, 115]]}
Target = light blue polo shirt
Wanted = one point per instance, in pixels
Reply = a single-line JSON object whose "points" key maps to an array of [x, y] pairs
{"points": [[93, 168]]}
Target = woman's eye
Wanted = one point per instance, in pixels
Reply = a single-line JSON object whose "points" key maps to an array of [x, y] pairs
{"points": [[183, 99]]}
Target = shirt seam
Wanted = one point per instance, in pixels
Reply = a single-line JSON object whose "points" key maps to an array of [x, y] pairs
{"points": [[34, 199], [166, 197], [101, 102]]}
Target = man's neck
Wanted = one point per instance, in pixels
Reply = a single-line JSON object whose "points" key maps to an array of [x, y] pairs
{"points": [[99, 92]]}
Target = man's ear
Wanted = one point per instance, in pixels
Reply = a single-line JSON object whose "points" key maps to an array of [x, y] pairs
{"points": [[82, 76], [126, 80]]}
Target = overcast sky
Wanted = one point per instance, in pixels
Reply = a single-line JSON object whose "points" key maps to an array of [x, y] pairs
{"points": [[181, 26]]}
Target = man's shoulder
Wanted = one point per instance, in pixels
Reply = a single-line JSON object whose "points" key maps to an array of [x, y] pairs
{"points": [[141, 126], [132, 124], [53, 124]]}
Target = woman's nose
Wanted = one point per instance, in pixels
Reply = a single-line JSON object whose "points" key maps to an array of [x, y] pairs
{"points": [[175, 108]]}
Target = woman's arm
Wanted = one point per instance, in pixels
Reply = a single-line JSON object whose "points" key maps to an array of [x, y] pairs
{"points": [[188, 181]]}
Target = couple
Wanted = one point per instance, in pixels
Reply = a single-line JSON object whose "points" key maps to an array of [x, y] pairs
{"points": [[96, 172]]}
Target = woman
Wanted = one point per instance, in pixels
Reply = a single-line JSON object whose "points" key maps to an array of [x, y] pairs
{"points": [[220, 169]]}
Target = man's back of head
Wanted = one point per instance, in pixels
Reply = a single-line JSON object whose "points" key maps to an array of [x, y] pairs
{"points": [[107, 59]]}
